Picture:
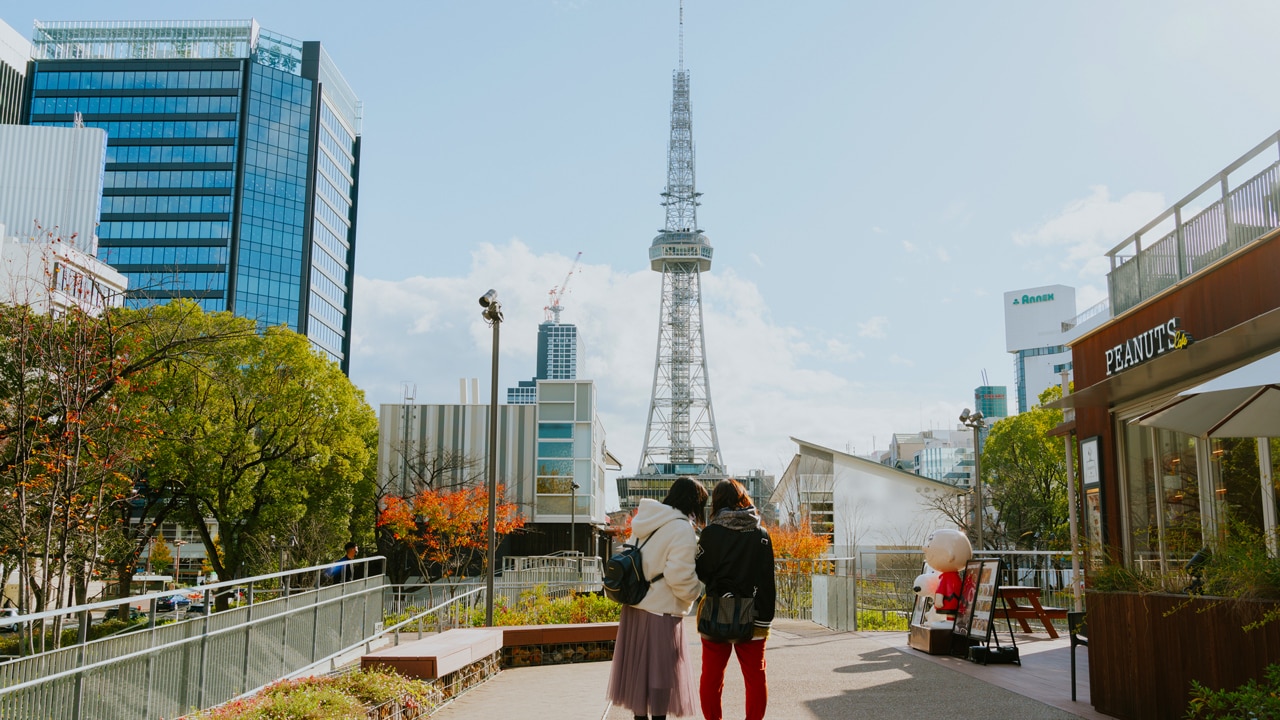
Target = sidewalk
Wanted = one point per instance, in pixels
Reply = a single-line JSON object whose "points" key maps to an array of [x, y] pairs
{"points": [[817, 673]]}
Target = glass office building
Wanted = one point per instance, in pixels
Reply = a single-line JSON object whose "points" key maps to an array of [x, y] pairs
{"points": [[557, 360], [232, 164]]}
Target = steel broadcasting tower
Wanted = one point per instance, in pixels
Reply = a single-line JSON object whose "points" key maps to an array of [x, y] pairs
{"points": [[680, 437]]}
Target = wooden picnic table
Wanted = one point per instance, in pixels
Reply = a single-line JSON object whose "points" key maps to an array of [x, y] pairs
{"points": [[1023, 604]]}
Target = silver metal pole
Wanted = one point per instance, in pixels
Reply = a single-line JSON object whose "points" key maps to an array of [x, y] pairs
{"points": [[494, 315], [979, 511]]}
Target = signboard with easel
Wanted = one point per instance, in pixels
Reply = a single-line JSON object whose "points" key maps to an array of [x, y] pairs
{"points": [[975, 620]]}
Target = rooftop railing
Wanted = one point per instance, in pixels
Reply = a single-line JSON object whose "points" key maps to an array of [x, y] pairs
{"points": [[1184, 246]]}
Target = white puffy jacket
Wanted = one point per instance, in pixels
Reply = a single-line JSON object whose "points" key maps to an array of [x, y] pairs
{"points": [[671, 551]]}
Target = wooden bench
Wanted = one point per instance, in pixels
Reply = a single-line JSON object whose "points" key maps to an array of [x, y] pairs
{"points": [[438, 655], [521, 635], [1015, 595], [533, 645]]}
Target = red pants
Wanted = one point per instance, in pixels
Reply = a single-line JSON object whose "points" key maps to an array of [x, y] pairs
{"points": [[715, 656]]}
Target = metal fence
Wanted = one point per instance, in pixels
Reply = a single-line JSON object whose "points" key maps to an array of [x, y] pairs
{"points": [[1140, 269], [833, 592], [168, 670]]}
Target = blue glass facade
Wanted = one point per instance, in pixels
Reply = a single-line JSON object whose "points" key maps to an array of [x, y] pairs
{"points": [[230, 178]]}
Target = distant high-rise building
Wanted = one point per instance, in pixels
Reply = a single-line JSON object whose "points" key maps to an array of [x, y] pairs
{"points": [[1035, 320], [557, 360], [232, 164], [991, 401], [680, 436]]}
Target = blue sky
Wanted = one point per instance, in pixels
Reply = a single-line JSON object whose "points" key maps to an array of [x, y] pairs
{"points": [[876, 175]]}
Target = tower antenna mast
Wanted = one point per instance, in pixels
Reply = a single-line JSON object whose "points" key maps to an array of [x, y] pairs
{"points": [[680, 436]]}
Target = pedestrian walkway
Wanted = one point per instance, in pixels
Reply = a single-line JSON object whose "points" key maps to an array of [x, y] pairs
{"points": [[816, 673]]}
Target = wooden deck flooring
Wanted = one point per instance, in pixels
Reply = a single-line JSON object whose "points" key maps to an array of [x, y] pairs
{"points": [[1045, 673]]}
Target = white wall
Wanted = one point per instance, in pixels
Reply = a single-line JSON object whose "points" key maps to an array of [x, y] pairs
{"points": [[1030, 322], [52, 175]]}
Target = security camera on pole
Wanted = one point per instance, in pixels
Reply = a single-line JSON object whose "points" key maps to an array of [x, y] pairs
{"points": [[492, 314], [975, 420]]}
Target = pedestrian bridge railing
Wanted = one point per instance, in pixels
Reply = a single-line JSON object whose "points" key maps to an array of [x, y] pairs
{"points": [[167, 670]]}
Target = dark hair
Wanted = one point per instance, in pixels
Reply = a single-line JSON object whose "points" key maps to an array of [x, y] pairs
{"points": [[729, 494], [687, 495], [349, 546]]}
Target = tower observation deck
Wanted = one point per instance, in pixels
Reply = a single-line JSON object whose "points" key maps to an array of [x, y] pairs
{"points": [[680, 436]]}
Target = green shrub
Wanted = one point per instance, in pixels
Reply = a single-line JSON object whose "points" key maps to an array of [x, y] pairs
{"points": [[327, 698], [875, 620], [1259, 701], [534, 607]]}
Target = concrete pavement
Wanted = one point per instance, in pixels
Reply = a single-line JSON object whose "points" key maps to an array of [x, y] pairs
{"points": [[813, 673]]}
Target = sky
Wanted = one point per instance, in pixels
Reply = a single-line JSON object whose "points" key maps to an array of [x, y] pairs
{"points": [[875, 177]]}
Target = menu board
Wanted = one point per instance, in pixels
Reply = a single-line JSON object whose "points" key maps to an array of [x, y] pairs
{"points": [[977, 598]]}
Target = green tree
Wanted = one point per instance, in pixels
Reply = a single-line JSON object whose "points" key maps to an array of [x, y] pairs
{"points": [[260, 437], [160, 559], [1024, 474]]}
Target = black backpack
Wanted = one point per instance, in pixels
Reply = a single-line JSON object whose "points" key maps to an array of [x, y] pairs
{"points": [[624, 580]]}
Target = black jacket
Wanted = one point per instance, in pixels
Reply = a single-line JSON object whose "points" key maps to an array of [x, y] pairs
{"points": [[735, 555]]}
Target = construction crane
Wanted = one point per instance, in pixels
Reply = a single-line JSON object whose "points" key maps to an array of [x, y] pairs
{"points": [[553, 309]]}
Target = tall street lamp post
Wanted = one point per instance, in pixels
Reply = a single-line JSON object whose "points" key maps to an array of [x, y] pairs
{"points": [[975, 420], [492, 315]]}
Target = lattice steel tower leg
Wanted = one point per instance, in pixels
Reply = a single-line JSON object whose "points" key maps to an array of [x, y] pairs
{"points": [[680, 438]]}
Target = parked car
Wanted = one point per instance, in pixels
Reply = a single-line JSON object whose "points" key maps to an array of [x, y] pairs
{"points": [[7, 625], [169, 603]]}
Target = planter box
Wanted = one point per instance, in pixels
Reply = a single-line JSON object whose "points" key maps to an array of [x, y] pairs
{"points": [[1145, 649]]}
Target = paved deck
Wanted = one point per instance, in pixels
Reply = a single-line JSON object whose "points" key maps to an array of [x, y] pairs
{"points": [[818, 673]]}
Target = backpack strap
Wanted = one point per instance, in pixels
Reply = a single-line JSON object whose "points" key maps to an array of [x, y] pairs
{"points": [[639, 547]]}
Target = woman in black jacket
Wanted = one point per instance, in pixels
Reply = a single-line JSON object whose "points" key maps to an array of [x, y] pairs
{"points": [[735, 557]]}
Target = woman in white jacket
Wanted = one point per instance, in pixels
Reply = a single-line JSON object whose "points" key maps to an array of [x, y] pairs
{"points": [[650, 676]]}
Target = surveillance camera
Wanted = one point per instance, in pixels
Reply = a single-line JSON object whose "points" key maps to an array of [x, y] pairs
{"points": [[964, 415], [488, 298]]}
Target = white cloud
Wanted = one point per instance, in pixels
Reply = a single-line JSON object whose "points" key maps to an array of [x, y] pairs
{"points": [[942, 255], [768, 381], [901, 361], [908, 246], [1088, 227], [756, 259], [874, 327]]}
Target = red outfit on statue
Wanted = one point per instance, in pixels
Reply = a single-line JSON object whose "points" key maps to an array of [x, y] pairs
{"points": [[949, 588], [715, 656]]}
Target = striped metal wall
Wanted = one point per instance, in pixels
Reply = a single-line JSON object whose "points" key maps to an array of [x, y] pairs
{"points": [[53, 176]]}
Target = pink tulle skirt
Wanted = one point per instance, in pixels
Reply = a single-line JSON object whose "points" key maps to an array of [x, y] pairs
{"points": [[650, 675]]}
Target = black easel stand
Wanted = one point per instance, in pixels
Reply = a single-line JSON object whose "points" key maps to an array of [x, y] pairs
{"points": [[987, 653]]}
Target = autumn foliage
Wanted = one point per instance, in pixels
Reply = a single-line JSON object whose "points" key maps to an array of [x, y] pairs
{"points": [[447, 530]]}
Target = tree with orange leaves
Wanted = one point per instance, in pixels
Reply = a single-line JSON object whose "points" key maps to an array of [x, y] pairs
{"points": [[446, 531], [798, 555]]}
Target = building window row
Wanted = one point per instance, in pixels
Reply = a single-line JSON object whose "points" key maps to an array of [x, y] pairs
{"points": [[338, 224], [171, 153], [325, 336], [112, 204], [168, 179], [141, 79], [143, 282], [335, 176], [338, 131], [203, 104], [162, 255], [149, 129], [147, 229], [327, 191]]}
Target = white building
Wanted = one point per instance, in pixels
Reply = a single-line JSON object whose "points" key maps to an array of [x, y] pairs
{"points": [[544, 451], [50, 195], [55, 276], [1039, 324], [858, 502]]}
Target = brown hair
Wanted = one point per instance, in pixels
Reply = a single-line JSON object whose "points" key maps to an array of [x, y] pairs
{"points": [[687, 495], [729, 494]]}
